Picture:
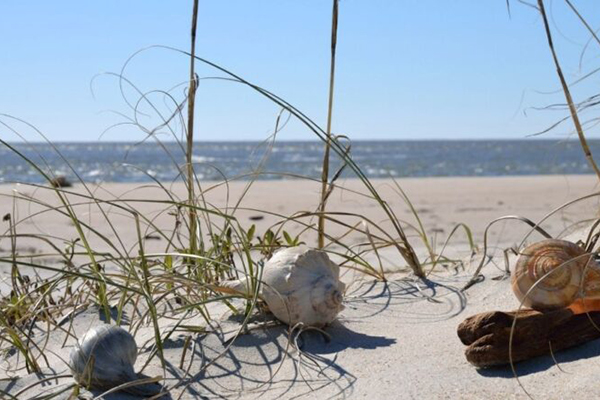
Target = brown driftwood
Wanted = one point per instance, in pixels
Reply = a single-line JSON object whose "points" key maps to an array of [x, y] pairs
{"points": [[487, 335], [60, 182]]}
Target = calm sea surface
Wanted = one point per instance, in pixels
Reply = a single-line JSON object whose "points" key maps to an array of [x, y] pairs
{"points": [[128, 162]]}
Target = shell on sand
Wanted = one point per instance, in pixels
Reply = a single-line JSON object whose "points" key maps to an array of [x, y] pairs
{"points": [[553, 273], [104, 358], [300, 285]]}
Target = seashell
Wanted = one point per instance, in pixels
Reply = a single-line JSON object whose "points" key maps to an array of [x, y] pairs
{"points": [[300, 285], [572, 276], [104, 358]]}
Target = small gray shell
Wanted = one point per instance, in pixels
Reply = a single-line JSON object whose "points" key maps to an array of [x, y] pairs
{"points": [[104, 358]]}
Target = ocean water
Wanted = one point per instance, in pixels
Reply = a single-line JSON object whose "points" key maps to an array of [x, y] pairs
{"points": [[130, 162]]}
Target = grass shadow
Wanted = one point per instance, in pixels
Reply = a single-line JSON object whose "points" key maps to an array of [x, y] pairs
{"points": [[373, 298]]}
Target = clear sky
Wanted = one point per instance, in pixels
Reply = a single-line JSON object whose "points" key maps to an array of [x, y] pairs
{"points": [[406, 69]]}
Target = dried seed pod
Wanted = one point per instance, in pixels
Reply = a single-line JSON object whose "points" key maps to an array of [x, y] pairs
{"points": [[300, 285], [561, 271], [104, 358]]}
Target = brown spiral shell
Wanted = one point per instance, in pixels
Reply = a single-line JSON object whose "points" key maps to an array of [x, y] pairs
{"points": [[564, 263]]}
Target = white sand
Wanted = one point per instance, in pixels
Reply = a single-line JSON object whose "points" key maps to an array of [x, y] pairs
{"points": [[389, 342], [440, 202]]}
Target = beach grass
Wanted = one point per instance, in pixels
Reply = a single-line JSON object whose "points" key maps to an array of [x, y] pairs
{"points": [[95, 265], [123, 278]]}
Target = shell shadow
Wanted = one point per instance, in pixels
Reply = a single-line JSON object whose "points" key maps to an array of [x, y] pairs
{"points": [[341, 338], [247, 361], [51, 383], [543, 363], [265, 360], [124, 396]]}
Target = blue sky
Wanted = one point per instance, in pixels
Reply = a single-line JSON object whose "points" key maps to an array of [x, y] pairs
{"points": [[410, 69]]}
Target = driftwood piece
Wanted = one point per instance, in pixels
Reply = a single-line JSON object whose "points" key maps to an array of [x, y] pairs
{"points": [[60, 182], [487, 335]]}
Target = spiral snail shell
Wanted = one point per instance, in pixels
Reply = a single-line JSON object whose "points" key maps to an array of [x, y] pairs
{"points": [[562, 272], [300, 285], [104, 358]]}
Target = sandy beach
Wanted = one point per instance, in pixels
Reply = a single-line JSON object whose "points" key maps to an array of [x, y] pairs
{"points": [[391, 341], [441, 204], [299, 200]]}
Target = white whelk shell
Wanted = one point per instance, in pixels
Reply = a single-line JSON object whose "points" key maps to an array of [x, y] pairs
{"points": [[563, 273], [104, 358], [300, 285]]}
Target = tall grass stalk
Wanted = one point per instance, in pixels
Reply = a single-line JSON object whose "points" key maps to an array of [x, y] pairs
{"points": [[190, 135], [15, 275], [567, 92], [325, 173]]}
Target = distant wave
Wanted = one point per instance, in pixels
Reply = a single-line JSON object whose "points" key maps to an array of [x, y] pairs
{"points": [[128, 162]]}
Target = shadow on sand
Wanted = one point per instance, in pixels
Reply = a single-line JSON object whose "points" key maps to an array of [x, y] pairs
{"points": [[412, 297], [271, 359], [539, 364]]}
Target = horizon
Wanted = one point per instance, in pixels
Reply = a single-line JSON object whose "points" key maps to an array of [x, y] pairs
{"points": [[259, 141]]}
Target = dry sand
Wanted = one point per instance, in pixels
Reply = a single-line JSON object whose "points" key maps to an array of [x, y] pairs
{"points": [[391, 341], [440, 202]]}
